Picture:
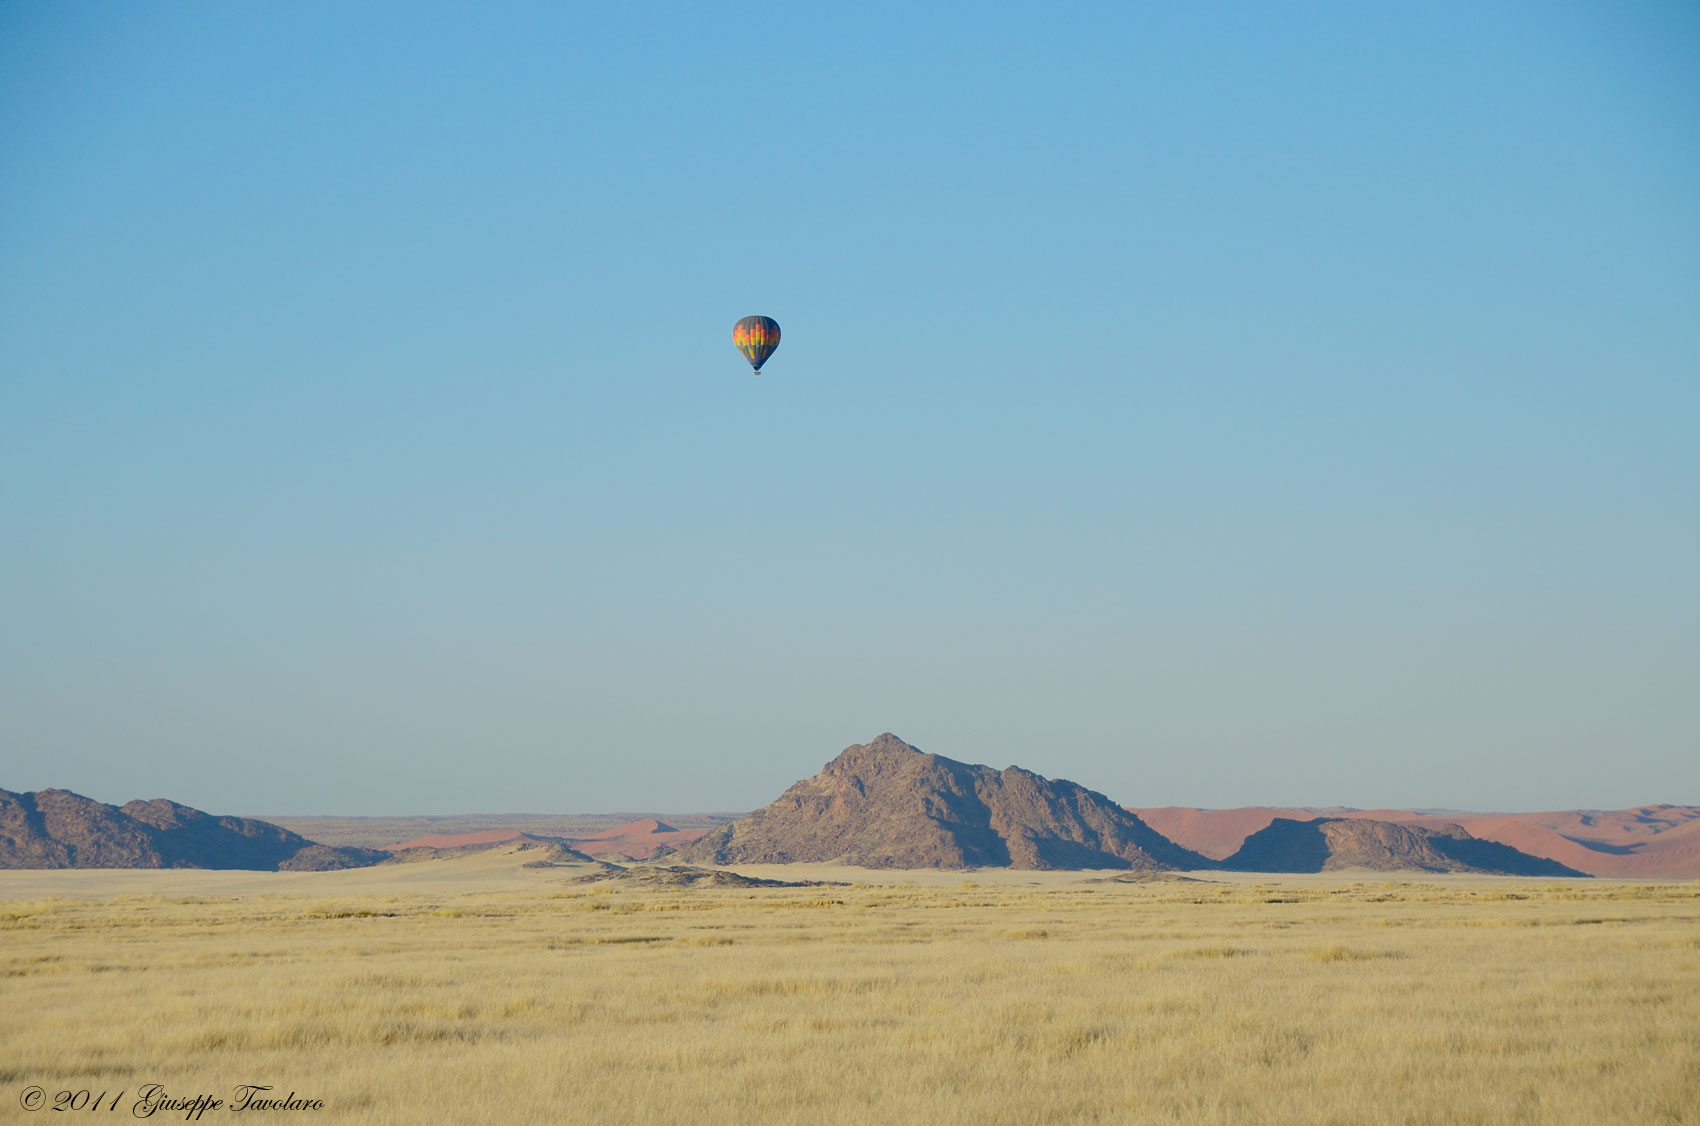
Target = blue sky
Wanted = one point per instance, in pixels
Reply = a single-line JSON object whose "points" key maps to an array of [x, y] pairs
{"points": [[1214, 404]]}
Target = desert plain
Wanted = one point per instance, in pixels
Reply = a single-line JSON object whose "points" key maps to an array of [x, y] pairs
{"points": [[489, 987]]}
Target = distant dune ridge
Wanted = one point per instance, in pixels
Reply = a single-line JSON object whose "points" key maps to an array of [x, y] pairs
{"points": [[60, 829], [886, 804], [485, 838], [1647, 842]]}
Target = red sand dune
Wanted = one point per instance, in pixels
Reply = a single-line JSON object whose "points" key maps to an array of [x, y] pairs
{"points": [[1655, 841], [1217, 833], [637, 840], [460, 840], [645, 827]]}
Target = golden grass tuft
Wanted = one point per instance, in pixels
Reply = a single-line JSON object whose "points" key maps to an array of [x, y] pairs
{"points": [[1337, 953]]}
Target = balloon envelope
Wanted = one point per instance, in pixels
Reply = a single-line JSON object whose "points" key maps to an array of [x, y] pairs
{"points": [[756, 338]]}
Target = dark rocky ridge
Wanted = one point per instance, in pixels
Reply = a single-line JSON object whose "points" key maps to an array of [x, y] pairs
{"points": [[1333, 843], [885, 804], [60, 829]]}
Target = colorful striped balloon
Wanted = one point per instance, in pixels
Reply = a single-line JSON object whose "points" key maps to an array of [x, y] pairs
{"points": [[756, 338]]}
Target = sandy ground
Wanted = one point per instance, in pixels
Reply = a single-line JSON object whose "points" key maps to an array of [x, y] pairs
{"points": [[504, 869], [1009, 877]]}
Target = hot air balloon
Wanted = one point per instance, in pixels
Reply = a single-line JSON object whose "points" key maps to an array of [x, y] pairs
{"points": [[756, 338]]}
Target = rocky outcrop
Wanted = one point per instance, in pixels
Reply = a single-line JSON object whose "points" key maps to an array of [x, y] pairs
{"points": [[885, 804], [60, 829], [1332, 843]]}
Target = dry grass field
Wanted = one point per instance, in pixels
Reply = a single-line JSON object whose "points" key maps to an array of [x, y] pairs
{"points": [[478, 990]]}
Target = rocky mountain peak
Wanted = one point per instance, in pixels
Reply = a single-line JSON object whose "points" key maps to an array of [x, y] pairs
{"points": [[888, 804]]}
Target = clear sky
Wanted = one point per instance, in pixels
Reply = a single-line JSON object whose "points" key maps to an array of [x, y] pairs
{"points": [[1214, 404]]}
